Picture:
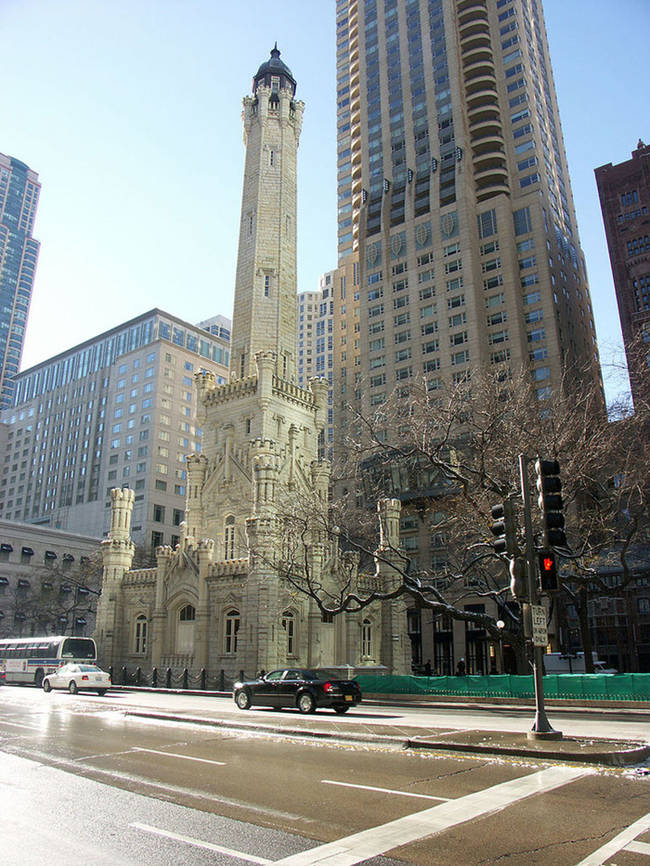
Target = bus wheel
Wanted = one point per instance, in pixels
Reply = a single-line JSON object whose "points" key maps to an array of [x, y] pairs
{"points": [[38, 678]]}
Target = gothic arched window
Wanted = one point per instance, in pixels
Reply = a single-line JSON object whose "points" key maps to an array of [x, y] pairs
{"points": [[289, 625], [366, 639], [141, 634], [187, 613], [231, 630], [229, 538]]}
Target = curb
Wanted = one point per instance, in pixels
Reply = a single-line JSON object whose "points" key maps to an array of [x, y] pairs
{"points": [[636, 752]]}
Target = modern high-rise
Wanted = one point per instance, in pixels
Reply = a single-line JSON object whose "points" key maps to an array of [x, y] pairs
{"points": [[119, 410], [454, 194], [624, 191], [19, 191]]}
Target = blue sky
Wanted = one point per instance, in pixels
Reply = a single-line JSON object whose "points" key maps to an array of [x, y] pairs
{"points": [[130, 112]]}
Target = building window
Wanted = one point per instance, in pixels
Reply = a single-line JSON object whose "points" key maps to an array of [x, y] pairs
{"points": [[159, 513], [231, 631], [366, 639], [229, 538], [141, 634], [289, 625]]}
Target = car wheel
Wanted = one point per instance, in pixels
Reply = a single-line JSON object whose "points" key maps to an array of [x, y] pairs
{"points": [[243, 700], [342, 708], [46, 686], [306, 703], [72, 688], [102, 692]]}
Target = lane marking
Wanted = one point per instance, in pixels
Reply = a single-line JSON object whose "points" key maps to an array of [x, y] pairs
{"points": [[184, 757], [16, 725], [384, 790], [197, 843], [638, 848], [378, 840], [618, 843]]}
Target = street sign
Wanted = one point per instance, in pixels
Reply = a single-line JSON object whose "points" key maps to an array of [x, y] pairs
{"points": [[538, 617]]}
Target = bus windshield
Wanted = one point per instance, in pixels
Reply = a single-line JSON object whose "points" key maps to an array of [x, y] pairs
{"points": [[78, 648]]}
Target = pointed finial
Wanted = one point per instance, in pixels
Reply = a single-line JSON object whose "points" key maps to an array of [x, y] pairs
{"points": [[275, 52]]}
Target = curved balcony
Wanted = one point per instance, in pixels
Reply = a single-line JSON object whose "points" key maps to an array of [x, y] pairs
{"points": [[489, 146], [489, 190], [482, 83], [485, 128], [484, 66], [487, 111], [474, 11], [478, 54]]}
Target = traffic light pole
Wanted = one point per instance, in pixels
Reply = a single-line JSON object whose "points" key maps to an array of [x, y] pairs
{"points": [[542, 729]]}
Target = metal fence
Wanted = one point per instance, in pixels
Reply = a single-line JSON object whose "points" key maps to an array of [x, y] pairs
{"points": [[172, 678], [617, 687]]}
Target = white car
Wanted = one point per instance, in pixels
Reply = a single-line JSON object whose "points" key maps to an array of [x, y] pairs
{"points": [[78, 677]]}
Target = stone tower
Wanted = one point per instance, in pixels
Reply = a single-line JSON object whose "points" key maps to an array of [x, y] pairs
{"points": [[265, 291], [117, 555]]}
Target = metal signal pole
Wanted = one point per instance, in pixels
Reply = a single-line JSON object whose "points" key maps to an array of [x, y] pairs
{"points": [[542, 729]]}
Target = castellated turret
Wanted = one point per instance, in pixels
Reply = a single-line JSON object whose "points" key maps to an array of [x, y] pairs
{"points": [[117, 555]]}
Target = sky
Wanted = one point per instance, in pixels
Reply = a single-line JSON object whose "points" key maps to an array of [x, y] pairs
{"points": [[130, 111]]}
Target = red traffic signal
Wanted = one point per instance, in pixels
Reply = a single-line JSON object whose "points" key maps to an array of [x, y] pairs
{"points": [[549, 579]]}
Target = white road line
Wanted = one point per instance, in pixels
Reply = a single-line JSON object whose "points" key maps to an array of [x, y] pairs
{"points": [[176, 755], [197, 843], [638, 848], [378, 840], [618, 843], [16, 725], [384, 790]]}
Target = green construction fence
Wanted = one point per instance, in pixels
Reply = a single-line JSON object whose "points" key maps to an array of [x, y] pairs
{"points": [[614, 687]]}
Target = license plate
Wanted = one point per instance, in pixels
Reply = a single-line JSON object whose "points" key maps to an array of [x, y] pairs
{"points": [[348, 697]]}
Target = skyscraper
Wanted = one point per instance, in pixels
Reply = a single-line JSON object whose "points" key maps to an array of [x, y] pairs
{"points": [[118, 409], [624, 192], [453, 191], [19, 191]]}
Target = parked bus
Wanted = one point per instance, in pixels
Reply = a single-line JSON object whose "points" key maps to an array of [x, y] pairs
{"points": [[29, 659]]}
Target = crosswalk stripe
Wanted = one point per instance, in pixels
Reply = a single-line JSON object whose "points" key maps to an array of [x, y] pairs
{"points": [[623, 840], [378, 840]]}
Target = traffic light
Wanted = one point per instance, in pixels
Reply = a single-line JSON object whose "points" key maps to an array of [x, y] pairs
{"points": [[549, 488], [549, 579], [504, 528]]}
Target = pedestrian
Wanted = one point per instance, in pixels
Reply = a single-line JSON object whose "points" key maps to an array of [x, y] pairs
{"points": [[460, 668], [261, 674], [427, 668]]}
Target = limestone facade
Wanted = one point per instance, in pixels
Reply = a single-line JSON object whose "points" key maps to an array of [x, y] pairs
{"points": [[220, 600]]}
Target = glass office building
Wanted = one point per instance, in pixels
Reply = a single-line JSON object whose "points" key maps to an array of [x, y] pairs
{"points": [[19, 191]]}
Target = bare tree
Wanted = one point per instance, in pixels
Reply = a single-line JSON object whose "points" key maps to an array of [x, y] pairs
{"points": [[449, 455]]}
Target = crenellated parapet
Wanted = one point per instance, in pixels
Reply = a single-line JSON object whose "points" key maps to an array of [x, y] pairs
{"points": [[292, 392], [229, 568], [140, 577], [233, 390]]}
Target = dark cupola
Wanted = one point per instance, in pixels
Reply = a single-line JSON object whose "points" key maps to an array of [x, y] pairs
{"points": [[275, 74]]}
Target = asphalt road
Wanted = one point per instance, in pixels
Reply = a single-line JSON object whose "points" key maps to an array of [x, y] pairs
{"points": [[81, 779]]}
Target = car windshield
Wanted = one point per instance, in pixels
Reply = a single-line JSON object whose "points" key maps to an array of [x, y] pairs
{"points": [[90, 668], [309, 675]]}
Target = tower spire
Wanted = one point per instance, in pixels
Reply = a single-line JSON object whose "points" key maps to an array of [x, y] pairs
{"points": [[264, 315]]}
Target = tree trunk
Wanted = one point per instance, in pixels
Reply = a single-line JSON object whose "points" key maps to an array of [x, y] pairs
{"points": [[585, 633]]}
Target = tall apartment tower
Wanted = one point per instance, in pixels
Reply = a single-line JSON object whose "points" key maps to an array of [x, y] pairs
{"points": [[19, 191], [624, 192], [265, 290], [453, 191]]}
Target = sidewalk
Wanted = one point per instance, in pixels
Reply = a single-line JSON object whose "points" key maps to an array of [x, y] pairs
{"points": [[324, 727]]}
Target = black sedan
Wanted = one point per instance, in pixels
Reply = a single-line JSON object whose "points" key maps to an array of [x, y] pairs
{"points": [[293, 687]]}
